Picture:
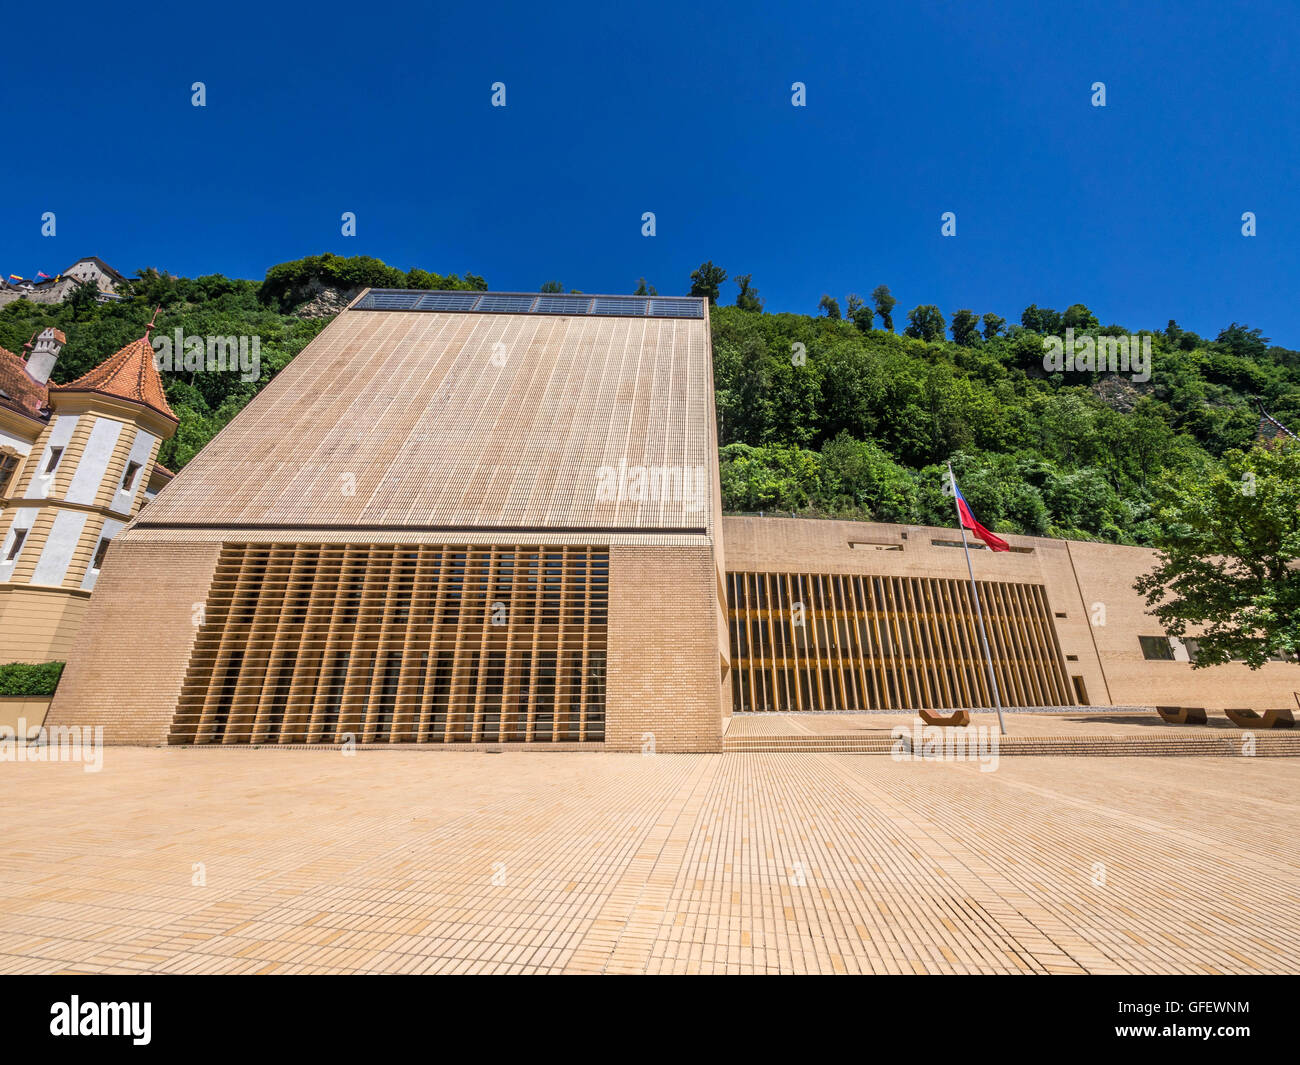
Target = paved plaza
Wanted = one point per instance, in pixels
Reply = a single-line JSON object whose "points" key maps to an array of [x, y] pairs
{"points": [[413, 861]]}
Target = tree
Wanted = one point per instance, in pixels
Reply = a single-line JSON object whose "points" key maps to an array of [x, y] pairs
{"points": [[924, 323], [83, 297], [1079, 318], [884, 306], [830, 306], [860, 314], [1042, 320], [748, 299], [1146, 439], [859, 477], [766, 478], [552, 286], [642, 289], [288, 284], [417, 278], [1229, 544], [707, 281], [993, 325], [965, 328], [1243, 341]]}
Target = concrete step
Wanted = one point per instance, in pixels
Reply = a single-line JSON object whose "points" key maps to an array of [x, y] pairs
{"points": [[1220, 746]]}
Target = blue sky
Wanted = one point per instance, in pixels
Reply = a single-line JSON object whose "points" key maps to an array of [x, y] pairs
{"points": [[912, 110]]}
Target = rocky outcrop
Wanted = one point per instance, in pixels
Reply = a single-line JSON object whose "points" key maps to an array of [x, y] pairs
{"points": [[320, 301], [1118, 392]]}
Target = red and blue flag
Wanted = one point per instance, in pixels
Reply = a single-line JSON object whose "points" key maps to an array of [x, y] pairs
{"points": [[995, 543]]}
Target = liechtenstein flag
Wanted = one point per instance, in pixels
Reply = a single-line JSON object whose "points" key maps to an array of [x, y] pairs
{"points": [[996, 543]]}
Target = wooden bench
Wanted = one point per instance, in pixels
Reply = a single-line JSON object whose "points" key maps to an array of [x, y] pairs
{"points": [[1277, 718], [1182, 715], [955, 719]]}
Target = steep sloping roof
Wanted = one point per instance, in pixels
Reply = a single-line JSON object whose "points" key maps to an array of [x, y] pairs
{"points": [[481, 420], [21, 392], [129, 374], [101, 264], [1271, 429]]}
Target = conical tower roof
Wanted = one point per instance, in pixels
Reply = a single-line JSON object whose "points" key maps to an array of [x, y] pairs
{"points": [[129, 374]]}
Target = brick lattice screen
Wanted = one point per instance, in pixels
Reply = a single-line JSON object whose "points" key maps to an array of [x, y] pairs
{"points": [[888, 643], [312, 643]]}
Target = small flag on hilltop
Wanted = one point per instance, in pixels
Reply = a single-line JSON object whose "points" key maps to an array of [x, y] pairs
{"points": [[39, 274], [15, 277], [996, 543]]}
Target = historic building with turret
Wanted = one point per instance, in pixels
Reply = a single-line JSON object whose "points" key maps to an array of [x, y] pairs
{"points": [[77, 462]]}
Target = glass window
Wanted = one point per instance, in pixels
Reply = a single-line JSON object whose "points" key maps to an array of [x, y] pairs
{"points": [[19, 536], [1156, 648], [128, 478], [8, 463]]}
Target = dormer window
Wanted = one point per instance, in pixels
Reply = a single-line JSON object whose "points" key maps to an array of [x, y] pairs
{"points": [[128, 478], [56, 453]]}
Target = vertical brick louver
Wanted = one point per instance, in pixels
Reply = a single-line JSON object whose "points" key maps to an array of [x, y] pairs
{"points": [[311, 643], [843, 641]]}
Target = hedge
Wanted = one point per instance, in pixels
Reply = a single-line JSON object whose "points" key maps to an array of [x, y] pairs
{"points": [[30, 678]]}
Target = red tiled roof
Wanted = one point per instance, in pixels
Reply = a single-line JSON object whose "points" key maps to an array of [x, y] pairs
{"points": [[130, 374], [24, 394], [1271, 429]]}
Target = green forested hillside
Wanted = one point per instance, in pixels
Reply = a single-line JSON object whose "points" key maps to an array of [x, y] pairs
{"points": [[818, 415], [863, 426], [203, 306], [208, 306]]}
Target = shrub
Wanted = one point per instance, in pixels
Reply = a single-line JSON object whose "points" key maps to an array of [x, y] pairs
{"points": [[30, 678]]}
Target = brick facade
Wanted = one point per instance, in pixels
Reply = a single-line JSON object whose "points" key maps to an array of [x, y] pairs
{"points": [[127, 664], [664, 662], [1097, 615]]}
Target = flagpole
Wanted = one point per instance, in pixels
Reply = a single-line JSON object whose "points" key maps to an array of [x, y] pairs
{"points": [[979, 612]]}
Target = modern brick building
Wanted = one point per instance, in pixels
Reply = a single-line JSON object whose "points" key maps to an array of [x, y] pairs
{"points": [[464, 517]]}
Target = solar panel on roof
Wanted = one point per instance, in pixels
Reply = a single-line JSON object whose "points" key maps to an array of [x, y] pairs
{"points": [[562, 304], [447, 301], [398, 299], [389, 301], [671, 307], [503, 303], [627, 306]]}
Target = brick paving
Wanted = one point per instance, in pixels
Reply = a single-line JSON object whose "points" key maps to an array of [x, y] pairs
{"points": [[444, 861]]}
